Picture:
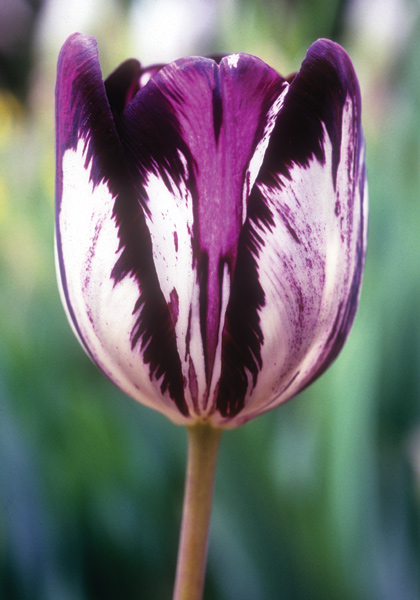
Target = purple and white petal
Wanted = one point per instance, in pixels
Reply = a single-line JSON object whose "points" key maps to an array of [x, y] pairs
{"points": [[304, 243], [102, 296]]}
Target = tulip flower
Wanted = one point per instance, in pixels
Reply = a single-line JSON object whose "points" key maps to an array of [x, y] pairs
{"points": [[211, 224]]}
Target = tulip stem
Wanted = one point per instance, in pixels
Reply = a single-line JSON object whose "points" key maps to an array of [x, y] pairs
{"points": [[203, 444]]}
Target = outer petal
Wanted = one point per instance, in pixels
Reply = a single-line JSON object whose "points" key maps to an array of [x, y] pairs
{"points": [[91, 178], [302, 249]]}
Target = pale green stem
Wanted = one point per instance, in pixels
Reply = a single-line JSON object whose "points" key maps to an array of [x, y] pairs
{"points": [[203, 444]]}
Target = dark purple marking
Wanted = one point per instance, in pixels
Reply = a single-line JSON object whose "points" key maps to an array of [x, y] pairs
{"points": [[317, 95], [193, 385], [337, 208], [217, 106], [242, 335], [188, 337], [122, 85], [290, 228], [174, 305]]}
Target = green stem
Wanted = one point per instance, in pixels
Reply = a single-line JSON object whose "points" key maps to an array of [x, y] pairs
{"points": [[203, 444]]}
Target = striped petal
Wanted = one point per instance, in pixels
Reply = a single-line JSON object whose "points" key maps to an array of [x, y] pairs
{"points": [[103, 307], [210, 225], [303, 245]]}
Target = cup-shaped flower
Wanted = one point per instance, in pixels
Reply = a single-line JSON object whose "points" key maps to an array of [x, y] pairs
{"points": [[211, 222]]}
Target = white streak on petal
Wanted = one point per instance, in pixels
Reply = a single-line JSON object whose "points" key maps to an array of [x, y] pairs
{"points": [[258, 156], [170, 222], [103, 311], [233, 60]]}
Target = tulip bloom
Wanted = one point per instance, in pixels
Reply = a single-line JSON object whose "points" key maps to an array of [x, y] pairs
{"points": [[211, 221], [210, 225]]}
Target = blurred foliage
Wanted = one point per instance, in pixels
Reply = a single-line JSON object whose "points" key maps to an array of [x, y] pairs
{"points": [[318, 499]]}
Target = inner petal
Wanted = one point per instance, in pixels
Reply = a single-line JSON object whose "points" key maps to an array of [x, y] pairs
{"points": [[190, 136]]}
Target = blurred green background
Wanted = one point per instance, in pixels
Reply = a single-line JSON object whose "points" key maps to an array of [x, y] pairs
{"points": [[318, 499]]}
